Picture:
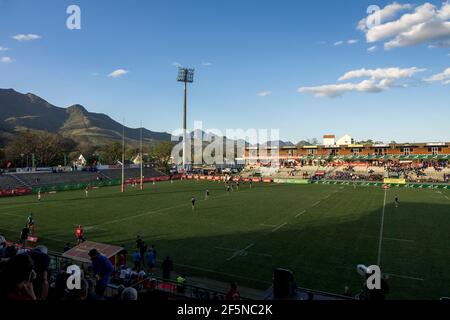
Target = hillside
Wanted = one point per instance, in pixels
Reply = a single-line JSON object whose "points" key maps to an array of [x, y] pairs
{"points": [[27, 111]]}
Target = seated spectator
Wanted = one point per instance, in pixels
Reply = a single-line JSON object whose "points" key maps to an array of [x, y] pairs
{"points": [[167, 267], [17, 279], [41, 266], [129, 294]]}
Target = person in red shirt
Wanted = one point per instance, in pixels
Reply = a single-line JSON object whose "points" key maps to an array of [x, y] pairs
{"points": [[79, 233]]}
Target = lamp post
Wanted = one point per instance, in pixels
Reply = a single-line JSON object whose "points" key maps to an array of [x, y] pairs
{"points": [[185, 75]]}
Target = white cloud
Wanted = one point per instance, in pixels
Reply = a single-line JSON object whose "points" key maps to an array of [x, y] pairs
{"points": [[443, 77], [372, 49], [26, 37], [118, 73], [337, 90], [378, 80], [349, 42], [385, 14], [264, 93], [425, 24], [5, 60], [206, 64], [381, 73], [422, 33], [3, 48]]}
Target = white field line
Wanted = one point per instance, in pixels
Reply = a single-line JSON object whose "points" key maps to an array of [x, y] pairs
{"points": [[390, 239], [301, 213], [279, 227], [381, 230], [239, 252], [315, 204], [405, 277], [401, 240], [242, 251]]}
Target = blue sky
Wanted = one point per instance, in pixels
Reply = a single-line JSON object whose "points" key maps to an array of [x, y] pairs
{"points": [[251, 57]]}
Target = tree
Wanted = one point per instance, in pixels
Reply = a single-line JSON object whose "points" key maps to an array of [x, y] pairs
{"points": [[161, 153], [111, 153], [48, 148]]}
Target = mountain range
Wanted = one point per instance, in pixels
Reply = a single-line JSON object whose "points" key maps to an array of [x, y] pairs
{"points": [[29, 112]]}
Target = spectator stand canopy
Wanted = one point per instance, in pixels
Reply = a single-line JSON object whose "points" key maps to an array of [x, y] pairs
{"points": [[81, 252]]}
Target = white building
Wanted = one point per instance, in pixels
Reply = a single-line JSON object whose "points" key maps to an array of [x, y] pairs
{"points": [[329, 140], [345, 141]]}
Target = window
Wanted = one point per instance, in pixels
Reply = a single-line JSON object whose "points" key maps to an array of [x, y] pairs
{"points": [[406, 151], [312, 152], [333, 152], [380, 151], [435, 150], [356, 151]]}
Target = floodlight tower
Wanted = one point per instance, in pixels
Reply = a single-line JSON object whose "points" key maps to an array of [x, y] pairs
{"points": [[185, 75]]}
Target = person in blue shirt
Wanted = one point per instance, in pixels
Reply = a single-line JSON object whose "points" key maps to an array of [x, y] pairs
{"points": [[151, 260], [137, 260], [103, 269]]}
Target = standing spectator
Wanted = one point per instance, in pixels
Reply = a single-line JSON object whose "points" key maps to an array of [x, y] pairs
{"points": [[138, 242], [122, 261], [154, 251], [103, 269], [167, 267], [181, 283], [67, 247], [2, 246], [150, 260], [233, 293], [137, 260], [17, 279], [143, 251]]}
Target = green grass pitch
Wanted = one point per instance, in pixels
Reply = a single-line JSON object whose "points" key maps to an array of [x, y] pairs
{"points": [[321, 232]]}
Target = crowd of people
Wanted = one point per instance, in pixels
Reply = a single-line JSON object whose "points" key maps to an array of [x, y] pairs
{"points": [[25, 274]]}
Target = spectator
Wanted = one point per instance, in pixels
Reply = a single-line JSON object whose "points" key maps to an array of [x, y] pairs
{"points": [[137, 260], [181, 283], [67, 247], [167, 267], [142, 251], [122, 260], [2, 246], [41, 262], [102, 269], [10, 252], [129, 294], [233, 293], [17, 279], [80, 294], [151, 260]]}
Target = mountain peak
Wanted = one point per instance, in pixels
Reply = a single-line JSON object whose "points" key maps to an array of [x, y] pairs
{"points": [[77, 108]]}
